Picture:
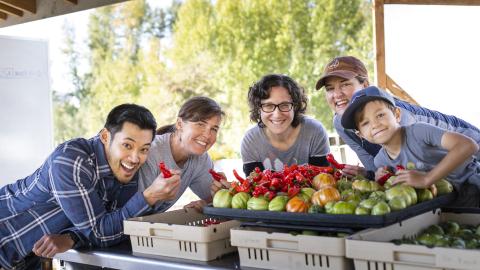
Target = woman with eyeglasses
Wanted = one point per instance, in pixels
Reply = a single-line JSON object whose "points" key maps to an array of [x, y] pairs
{"points": [[283, 134]]}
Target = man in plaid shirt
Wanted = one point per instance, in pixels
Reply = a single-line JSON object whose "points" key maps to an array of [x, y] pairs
{"points": [[82, 193]]}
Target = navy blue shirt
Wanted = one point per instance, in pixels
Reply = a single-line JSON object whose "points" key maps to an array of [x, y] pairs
{"points": [[74, 188]]}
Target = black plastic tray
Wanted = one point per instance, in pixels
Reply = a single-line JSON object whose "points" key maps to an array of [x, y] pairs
{"points": [[329, 220]]}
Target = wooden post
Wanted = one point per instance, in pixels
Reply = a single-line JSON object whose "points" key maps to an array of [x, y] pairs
{"points": [[379, 44]]}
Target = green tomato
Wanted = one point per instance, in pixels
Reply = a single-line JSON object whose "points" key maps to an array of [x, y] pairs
{"points": [[360, 210], [434, 229], [278, 203], [329, 207], [309, 232], [314, 209], [380, 208], [239, 200], [343, 208], [222, 199], [443, 187], [424, 194], [307, 192], [378, 195], [368, 203], [259, 203], [397, 203]]}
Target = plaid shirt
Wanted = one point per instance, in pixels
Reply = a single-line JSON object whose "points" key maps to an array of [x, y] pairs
{"points": [[74, 188]]}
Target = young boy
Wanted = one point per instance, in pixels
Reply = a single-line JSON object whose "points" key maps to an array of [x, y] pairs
{"points": [[436, 153]]}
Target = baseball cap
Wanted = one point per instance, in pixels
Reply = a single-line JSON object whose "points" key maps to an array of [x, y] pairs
{"points": [[360, 98], [346, 67]]}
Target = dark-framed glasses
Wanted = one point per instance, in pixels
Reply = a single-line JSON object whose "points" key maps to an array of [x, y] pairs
{"points": [[283, 107]]}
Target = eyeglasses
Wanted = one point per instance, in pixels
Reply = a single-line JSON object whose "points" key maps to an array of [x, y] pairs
{"points": [[283, 107]]}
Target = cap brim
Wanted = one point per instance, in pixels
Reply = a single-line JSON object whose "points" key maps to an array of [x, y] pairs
{"points": [[337, 73], [348, 117]]}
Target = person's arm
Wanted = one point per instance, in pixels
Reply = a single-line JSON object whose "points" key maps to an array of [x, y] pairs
{"points": [[74, 186], [460, 148], [250, 167], [319, 144], [250, 154], [51, 244], [202, 183]]}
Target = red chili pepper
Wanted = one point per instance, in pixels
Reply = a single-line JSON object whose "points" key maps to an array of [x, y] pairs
{"points": [[239, 178], [293, 191], [337, 175], [399, 167], [165, 171], [317, 169], [243, 187], [331, 159], [275, 183], [259, 190], [381, 181], [216, 175], [270, 195]]}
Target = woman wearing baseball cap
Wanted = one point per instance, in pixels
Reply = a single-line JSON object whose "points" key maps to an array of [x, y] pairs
{"points": [[345, 75]]}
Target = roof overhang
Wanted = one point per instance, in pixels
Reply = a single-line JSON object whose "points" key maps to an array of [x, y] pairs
{"points": [[20, 11]]}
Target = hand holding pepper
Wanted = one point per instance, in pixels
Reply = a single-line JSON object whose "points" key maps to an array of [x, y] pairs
{"points": [[382, 175], [163, 189], [331, 159], [220, 182]]}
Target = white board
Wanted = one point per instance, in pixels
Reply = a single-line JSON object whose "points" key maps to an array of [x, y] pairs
{"points": [[26, 133]]}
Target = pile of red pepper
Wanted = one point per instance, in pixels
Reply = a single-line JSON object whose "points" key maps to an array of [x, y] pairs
{"points": [[267, 183]]}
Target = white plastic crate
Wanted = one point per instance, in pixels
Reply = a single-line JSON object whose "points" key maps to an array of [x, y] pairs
{"points": [[180, 234], [268, 249], [371, 249]]}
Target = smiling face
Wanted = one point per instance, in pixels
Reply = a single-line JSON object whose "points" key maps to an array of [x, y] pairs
{"points": [[277, 122], [196, 138], [377, 123], [127, 150], [339, 91]]}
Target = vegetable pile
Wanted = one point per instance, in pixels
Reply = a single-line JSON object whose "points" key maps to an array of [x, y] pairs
{"points": [[446, 234], [313, 189]]}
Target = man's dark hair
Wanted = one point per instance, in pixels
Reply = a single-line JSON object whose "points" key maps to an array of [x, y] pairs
{"points": [[132, 113], [261, 90]]}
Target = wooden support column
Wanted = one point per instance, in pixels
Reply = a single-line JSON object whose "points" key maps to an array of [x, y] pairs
{"points": [[379, 44]]}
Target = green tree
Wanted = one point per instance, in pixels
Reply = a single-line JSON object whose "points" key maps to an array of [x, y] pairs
{"points": [[159, 58], [244, 40]]}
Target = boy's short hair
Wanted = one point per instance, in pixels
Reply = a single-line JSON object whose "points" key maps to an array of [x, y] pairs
{"points": [[358, 102]]}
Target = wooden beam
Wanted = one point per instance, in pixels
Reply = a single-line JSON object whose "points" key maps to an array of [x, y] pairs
{"points": [[435, 2], [25, 5], [379, 45], [3, 16], [75, 2], [395, 89], [11, 10]]}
